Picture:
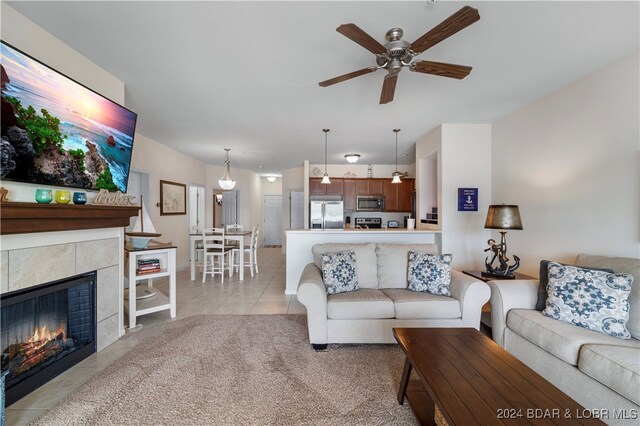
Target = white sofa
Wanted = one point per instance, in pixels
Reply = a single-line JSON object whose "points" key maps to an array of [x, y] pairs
{"points": [[599, 371], [383, 301]]}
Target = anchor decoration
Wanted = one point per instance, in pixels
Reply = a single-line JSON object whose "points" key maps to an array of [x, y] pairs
{"points": [[500, 254]]}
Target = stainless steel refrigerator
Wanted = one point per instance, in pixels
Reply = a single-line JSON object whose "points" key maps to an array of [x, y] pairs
{"points": [[326, 212]]}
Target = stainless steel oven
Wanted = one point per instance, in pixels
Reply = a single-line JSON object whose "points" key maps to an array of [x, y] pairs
{"points": [[369, 203]]}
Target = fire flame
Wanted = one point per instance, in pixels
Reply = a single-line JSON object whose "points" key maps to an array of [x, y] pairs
{"points": [[44, 335]]}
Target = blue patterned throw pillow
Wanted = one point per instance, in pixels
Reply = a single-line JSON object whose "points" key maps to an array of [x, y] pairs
{"points": [[430, 273], [339, 272], [596, 300]]}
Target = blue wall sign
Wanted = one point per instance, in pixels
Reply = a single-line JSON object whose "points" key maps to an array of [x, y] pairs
{"points": [[467, 199]]}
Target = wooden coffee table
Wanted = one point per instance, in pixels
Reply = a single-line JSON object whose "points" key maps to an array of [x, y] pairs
{"points": [[465, 378]]}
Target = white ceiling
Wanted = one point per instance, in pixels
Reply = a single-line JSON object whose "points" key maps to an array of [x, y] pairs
{"points": [[244, 75]]}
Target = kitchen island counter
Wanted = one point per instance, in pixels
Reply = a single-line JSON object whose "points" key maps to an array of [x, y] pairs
{"points": [[300, 241]]}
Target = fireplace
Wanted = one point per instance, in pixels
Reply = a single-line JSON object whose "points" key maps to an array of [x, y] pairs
{"points": [[46, 329]]}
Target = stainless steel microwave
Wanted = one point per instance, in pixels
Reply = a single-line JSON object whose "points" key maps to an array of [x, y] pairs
{"points": [[369, 203]]}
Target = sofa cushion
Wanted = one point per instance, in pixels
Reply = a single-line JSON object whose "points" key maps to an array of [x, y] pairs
{"points": [[365, 260], [393, 262], [366, 303], [430, 273], [616, 367], [418, 305], [561, 339], [620, 265], [589, 298], [339, 273], [544, 281]]}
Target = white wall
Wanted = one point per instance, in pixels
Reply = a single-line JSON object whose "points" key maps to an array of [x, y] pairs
{"points": [[292, 180], [360, 169], [164, 163], [463, 153], [571, 162], [466, 163]]}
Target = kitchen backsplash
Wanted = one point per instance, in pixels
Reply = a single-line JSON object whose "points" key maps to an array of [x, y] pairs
{"points": [[382, 215]]}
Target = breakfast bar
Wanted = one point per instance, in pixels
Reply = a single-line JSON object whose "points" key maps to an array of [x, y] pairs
{"points": [[300, 241]]}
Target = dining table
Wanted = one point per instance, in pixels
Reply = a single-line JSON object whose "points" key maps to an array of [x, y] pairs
{"points": [[238, 236]]}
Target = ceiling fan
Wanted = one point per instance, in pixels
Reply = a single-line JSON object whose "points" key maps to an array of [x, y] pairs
{"points": [[398, 53]]}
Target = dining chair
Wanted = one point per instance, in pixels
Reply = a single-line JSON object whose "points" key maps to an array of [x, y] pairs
{"points": [[215, 250], [234, 228], [236, 255], [255, 249]]}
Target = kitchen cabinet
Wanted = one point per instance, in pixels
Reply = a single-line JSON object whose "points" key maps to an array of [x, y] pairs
{"points": [[405, 194], [397, 196], [336, 187], [390, 192], [349, 194], [375, 186], [317, 188]]}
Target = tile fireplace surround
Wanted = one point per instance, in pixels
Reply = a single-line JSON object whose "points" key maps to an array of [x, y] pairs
{"points": [[31, 259]]}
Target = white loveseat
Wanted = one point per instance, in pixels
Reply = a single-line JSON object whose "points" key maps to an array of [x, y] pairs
{"points": [[599, 371], [383, 301]]}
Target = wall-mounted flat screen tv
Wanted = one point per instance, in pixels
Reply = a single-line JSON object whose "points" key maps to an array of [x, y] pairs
{"points": [[55, 131]]}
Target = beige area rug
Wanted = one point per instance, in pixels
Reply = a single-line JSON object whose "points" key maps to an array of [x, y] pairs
{"points": [[239, 370]]}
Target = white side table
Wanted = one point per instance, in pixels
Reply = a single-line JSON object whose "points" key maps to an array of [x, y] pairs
{"points": [[166, 253]]}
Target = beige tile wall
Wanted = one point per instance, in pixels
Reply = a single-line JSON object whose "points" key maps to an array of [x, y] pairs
{"points": [[28, 267], [4, 271]]}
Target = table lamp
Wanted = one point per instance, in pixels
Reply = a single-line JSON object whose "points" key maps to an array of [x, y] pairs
{"points": [[502, 217]]}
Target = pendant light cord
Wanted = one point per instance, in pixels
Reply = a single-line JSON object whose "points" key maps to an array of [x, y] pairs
{"points": [[396, 132], [325, 149]]}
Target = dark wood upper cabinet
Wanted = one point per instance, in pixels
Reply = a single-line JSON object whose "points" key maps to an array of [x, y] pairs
{"points": [[390, 192], [316, 188], [397, 197], [349, 196], [375, 186], [336, 187], [405, 192]]}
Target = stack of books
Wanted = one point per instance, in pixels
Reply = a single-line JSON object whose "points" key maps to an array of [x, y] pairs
{"points": [[148, 266]]}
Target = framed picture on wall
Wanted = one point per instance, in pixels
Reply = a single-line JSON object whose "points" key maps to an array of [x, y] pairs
{"points": [[173, 198]]}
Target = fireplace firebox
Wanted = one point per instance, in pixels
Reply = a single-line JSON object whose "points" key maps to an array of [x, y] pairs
{"points": [[46, 330]]}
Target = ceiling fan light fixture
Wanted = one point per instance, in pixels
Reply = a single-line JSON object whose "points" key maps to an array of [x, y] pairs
{"points": [[325, 178], [352, 158], [225, 181]]}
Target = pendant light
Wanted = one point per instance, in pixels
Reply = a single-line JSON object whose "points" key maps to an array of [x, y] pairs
{"points": [[225, 181], [325, 178], [396, 175]]}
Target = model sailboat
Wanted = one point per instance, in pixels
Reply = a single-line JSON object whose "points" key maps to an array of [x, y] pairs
{"points": [[143, 230]]}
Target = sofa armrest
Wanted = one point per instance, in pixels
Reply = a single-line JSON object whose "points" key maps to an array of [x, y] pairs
{"points": [[312, 294], [472, 295], [507, 295]]}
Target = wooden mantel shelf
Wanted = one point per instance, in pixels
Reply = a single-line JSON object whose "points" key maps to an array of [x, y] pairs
{"points": [[21, 218]]}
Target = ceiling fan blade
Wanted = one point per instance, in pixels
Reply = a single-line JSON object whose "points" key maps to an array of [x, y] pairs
{"points": [[345, 77], [355, 33], [454, 23], [441, 69], [388, 89]]}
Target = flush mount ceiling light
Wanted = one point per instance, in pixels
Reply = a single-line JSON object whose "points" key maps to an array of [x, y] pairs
{"points": [[352, 158], [271, 179], [325, 178], [396, 175], [225, 181]]}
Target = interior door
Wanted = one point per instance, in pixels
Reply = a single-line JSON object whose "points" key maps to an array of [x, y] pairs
{"points": [[229, 207], [296, 210], [272, 220]]}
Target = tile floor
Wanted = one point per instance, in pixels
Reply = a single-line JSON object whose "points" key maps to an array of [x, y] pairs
{"points": [[262, 294]]}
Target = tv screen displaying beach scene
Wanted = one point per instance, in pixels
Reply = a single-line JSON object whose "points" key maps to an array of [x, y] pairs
{"points": [[55, 131]]}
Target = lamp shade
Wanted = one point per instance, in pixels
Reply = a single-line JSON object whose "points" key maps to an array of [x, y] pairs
{"points": [[503, 216]]}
